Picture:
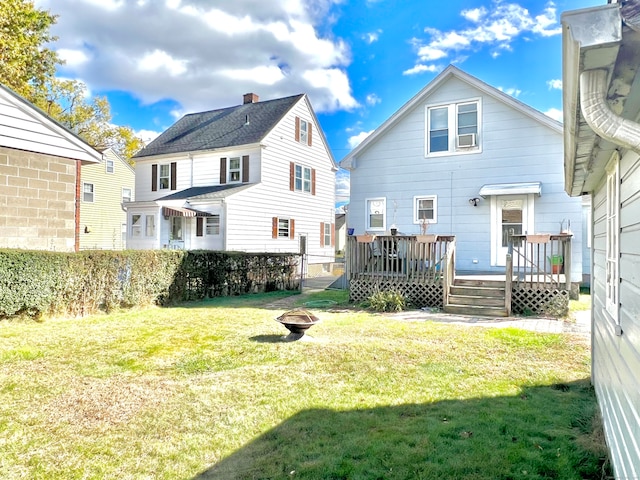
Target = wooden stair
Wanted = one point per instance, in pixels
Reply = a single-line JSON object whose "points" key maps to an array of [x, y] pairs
{"points": [[481, 297]]}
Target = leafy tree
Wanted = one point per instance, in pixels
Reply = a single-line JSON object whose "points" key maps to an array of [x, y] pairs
{"points": [[28, 67], [67, 101], [25, 63]]}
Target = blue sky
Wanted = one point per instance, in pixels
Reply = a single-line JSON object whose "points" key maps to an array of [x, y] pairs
{"points": [[358, 60]]}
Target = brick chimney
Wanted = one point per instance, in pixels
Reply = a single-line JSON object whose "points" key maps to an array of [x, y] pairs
{"points": [[250, 98]]}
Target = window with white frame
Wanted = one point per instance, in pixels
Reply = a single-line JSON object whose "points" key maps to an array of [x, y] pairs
{"points": [[126, 194], [283, 228], [453, 128], [175, 228], [304, 131], [376, 213], [302, 179], [110, 166], [234, 170], [613, 238], [212, 225], [136, 225], [327, 234], [150, 226], [87, 192], [425, 209], [164, 178]]}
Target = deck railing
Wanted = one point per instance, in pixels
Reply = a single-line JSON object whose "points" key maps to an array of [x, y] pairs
{"points": [[411, 258], [542, 260]]}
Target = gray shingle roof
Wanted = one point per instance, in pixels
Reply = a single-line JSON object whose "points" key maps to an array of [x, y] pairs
{"points": [[226, 127], [207, 192]]}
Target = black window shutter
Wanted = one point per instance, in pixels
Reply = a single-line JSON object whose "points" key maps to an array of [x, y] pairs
{"points": [[245, 168], [173, 175], [223, 171], [154, 177], [199, 229]]}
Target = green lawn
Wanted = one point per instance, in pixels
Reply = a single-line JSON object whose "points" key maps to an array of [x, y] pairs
{"points": [[209, 391]]}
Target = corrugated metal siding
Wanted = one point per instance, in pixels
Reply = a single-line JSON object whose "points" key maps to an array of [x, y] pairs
{"points": [[616, 359]]}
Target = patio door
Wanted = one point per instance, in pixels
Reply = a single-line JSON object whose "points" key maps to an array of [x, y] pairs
{"points": [[510, 214]]}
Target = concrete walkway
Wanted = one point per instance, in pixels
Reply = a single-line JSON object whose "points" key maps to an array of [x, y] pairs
{"points": [[581, 326]]}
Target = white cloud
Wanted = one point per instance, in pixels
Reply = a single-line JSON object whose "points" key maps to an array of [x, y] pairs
{"points": [[147, 135], [205, 55], [356, 140], [373, 99], [422, 68], [554, 113], [496, 27], [555, 84], [514, 92], [475, 14], [343, 185], [73, 57], [371, 37], [159, 60], [264, 75]]}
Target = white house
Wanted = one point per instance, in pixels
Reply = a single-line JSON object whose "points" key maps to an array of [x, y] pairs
{"points": [[602, 158], [469, 161], [257, 177]]}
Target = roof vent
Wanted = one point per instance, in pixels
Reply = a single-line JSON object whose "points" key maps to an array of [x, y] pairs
{"points": [[250, 98], [246, 119]]}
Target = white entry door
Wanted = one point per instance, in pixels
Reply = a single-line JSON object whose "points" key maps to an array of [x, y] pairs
{"points": [[509, 214]]}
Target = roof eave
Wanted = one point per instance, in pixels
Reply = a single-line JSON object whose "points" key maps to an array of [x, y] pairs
{"points": [[584, 47]]}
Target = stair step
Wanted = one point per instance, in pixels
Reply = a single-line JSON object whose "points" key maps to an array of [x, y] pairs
{"points": [[476, 300], [473, 291], [475, 310], [468, 282]]}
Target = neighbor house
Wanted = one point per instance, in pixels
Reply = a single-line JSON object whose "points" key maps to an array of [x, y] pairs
{"points": [[601, 58], [467, 162], [257, 177], [40, 163], [106, 189]]}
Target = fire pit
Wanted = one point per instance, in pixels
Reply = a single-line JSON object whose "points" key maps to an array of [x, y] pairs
{"points": [[297, 321]]}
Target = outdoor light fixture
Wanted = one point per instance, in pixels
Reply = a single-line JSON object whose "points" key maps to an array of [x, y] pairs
{"points": [[474, 201]]}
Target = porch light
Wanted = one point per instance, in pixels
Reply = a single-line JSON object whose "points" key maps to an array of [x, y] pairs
{"points": [[474, 201]]}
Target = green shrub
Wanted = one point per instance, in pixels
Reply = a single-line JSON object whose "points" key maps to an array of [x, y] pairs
{"points": [[387, 301], [36, 283]]}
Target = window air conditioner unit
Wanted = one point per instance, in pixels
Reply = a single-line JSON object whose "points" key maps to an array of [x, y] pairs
{"points": [[467, 140]]}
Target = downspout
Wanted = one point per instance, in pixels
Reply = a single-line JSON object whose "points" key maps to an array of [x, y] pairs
{"points": [[596, 112]]}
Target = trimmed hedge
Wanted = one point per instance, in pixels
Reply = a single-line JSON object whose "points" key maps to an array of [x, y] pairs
{"points": [[37, 283]]}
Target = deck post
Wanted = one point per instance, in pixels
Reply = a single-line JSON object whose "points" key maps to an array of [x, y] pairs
{"points": [[508, 280], [567, 264]]}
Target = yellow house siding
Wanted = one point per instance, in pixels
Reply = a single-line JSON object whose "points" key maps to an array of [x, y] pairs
{"points": [[101, 221]]}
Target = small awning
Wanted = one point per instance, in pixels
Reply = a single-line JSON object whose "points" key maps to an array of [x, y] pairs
{"points": [[183, 212], [511, 189]]}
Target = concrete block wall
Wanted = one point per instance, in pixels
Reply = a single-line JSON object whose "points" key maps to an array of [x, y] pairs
{"points": [[37, 201]]}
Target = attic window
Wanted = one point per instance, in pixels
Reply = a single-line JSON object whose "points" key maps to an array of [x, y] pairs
{"points": [[303, 131], [453, 128]]}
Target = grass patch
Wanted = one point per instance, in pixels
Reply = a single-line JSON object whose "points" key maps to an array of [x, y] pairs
{"points": [[583, 303], [209, 391]]}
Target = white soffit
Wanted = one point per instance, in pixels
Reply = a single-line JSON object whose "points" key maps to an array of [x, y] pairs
{"points": [[511, 189]]}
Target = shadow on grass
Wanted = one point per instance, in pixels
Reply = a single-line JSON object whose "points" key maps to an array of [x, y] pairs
{"points": [[544, 432]]}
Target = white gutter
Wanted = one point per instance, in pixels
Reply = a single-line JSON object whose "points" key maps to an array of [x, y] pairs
{"points": [[596, 112]]}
